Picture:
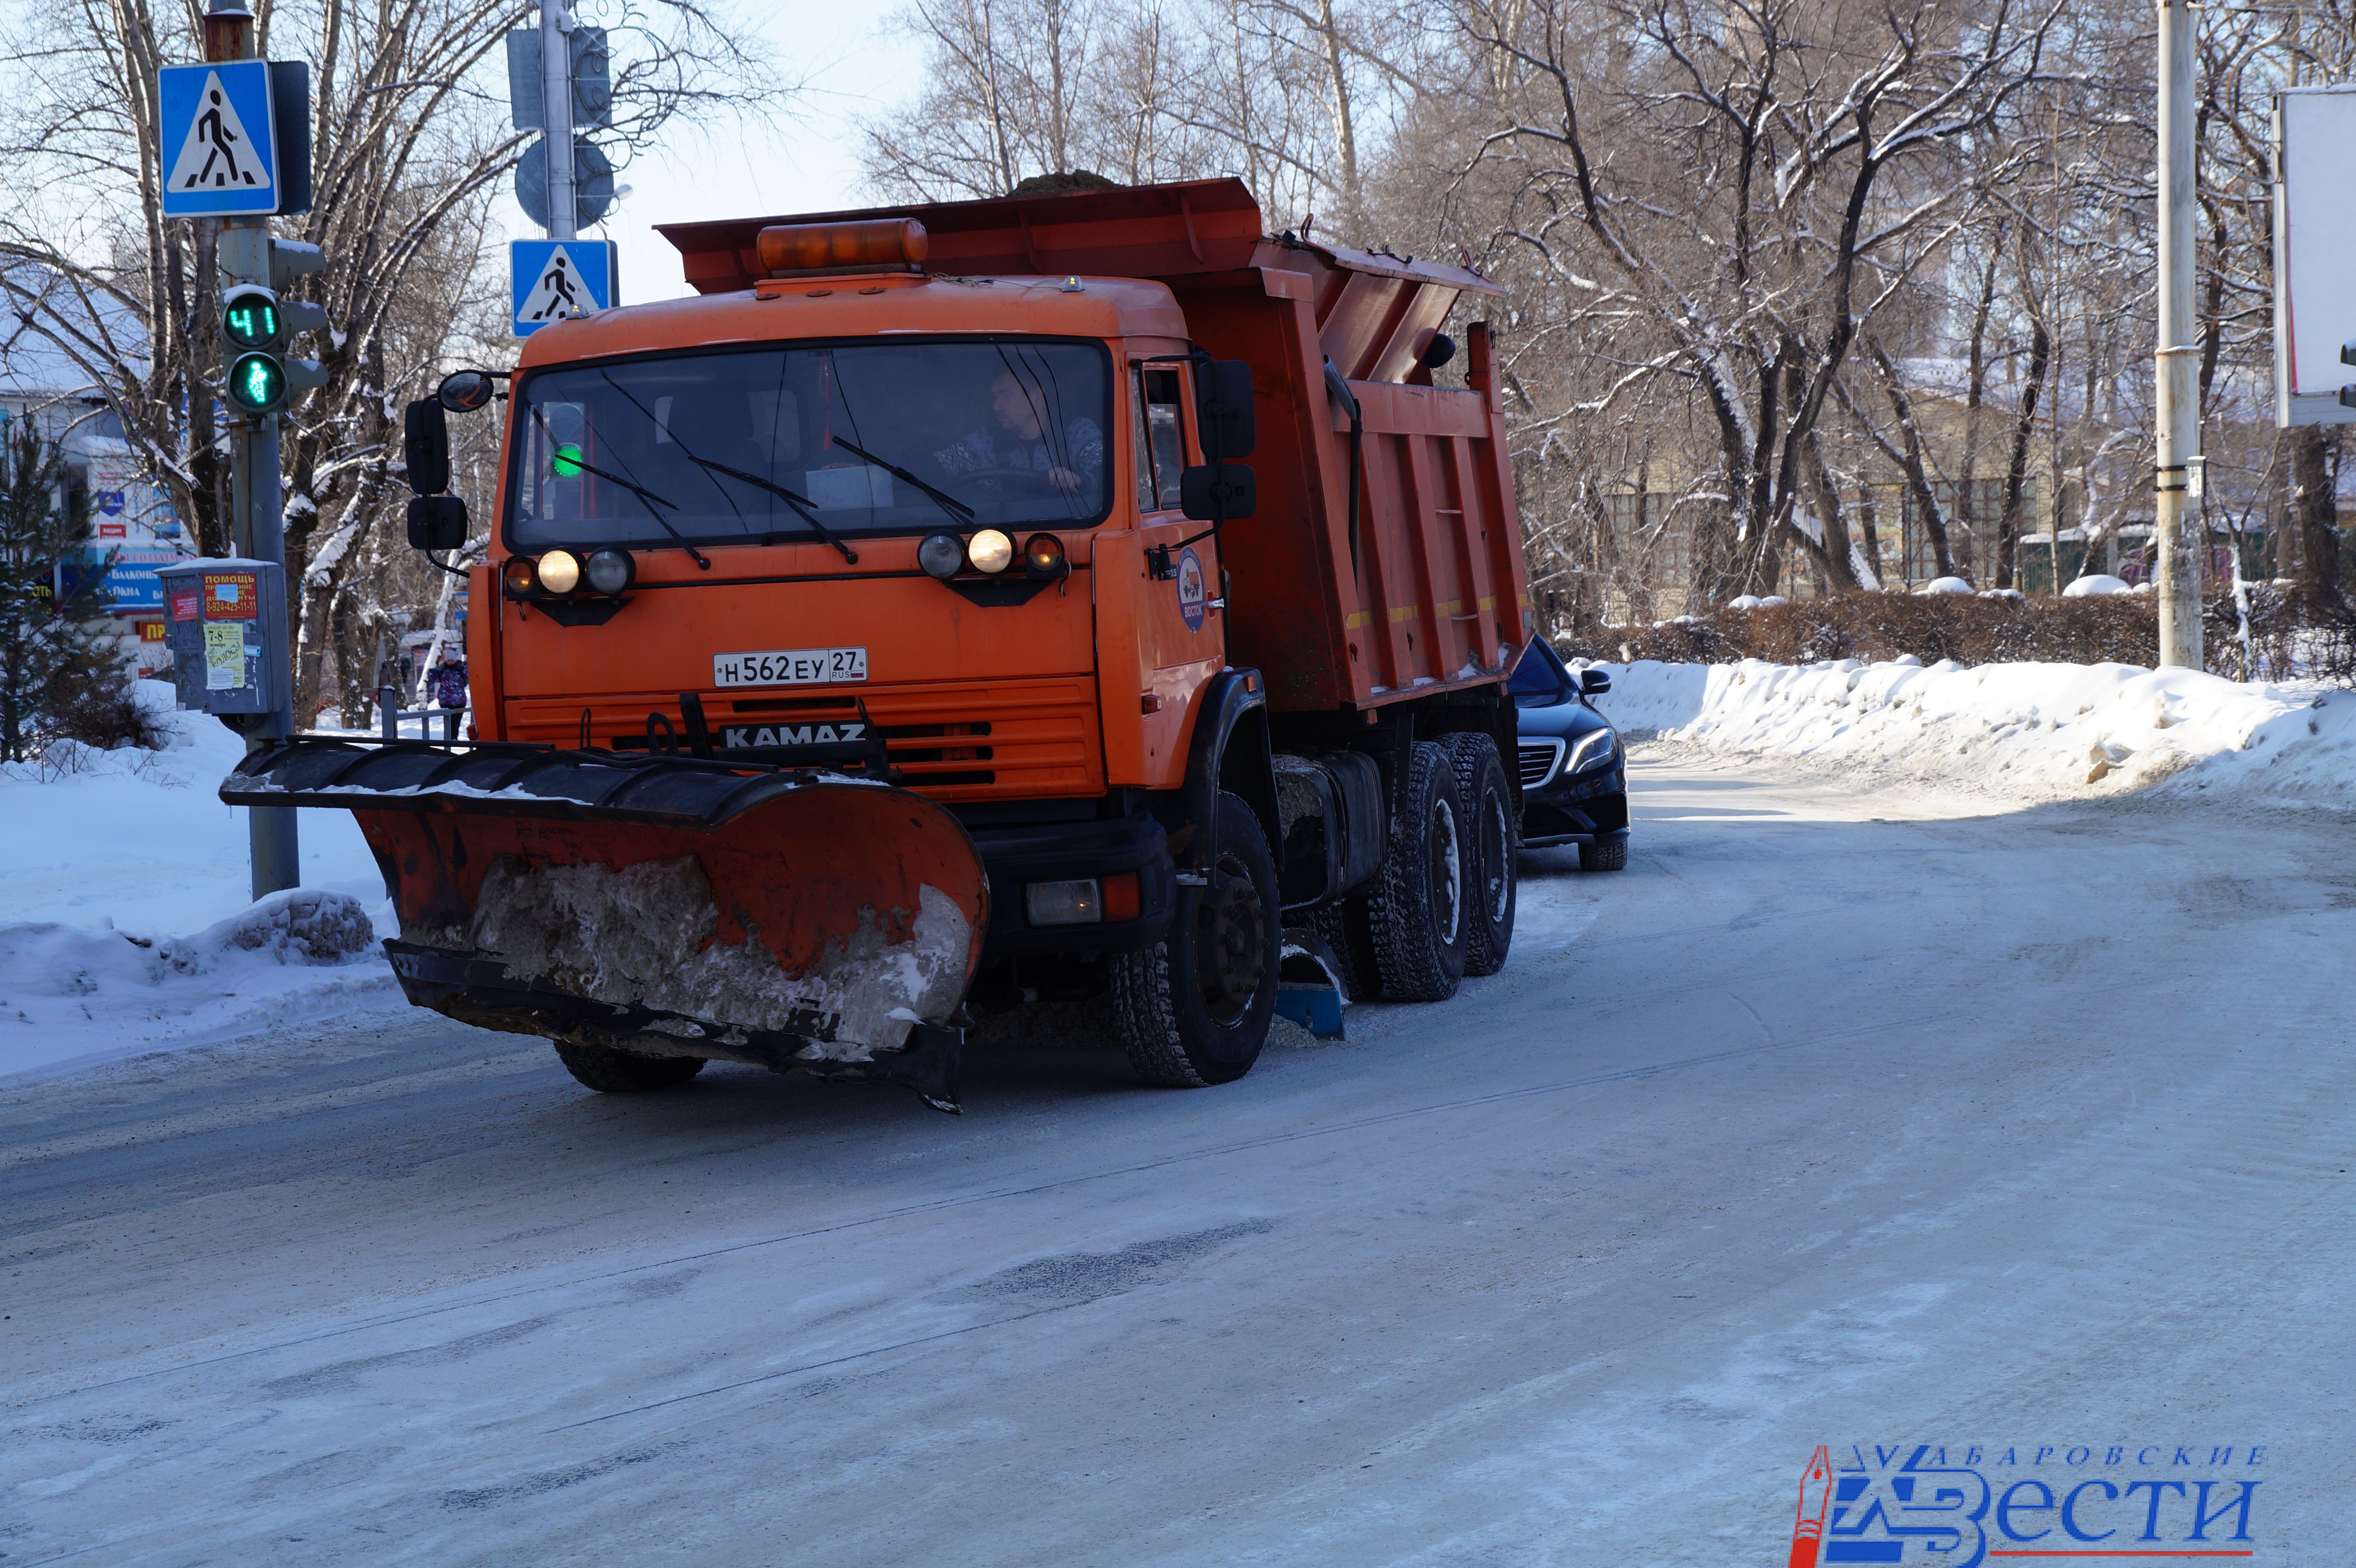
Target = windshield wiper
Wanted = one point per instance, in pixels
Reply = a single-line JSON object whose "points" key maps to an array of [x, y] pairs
{"points": [[800, 504], [948, 503], [640, 491]]}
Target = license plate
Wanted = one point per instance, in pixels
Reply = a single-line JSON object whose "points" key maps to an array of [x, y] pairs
{"points": [[789, 666]]}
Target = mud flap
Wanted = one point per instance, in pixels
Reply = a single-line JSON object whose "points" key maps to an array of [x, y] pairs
{"points": [[1309, 988], [798, 920]]}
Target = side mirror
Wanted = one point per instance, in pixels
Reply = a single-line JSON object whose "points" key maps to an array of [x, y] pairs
{"points": [[1439, 351], [425, 446], [437, 522], [1223, 408], [1222, 494], [1593, 683], [464, 392]]}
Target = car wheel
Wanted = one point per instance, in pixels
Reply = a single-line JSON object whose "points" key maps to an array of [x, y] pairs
{"points": [[1609, 856]]}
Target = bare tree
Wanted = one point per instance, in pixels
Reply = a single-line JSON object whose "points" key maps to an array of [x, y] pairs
{"points": [[1750, 187], [409, 145]]}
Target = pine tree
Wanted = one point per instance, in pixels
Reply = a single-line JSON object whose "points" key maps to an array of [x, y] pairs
{"points": [[51, 661]]}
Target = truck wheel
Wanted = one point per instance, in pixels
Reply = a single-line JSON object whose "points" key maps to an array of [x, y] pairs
{"points": [[1489, 836], [1193, 1008], [1419, 906], [612, 1071], [1611, 857]]}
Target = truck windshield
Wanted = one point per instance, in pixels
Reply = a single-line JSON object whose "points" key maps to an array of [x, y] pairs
{"points": [[748, 446]]}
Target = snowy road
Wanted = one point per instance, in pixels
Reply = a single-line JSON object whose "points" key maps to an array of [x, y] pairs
{"points": [[2004, 1130]]}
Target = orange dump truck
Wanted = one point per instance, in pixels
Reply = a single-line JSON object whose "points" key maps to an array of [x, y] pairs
{"points": [[955, 606]]}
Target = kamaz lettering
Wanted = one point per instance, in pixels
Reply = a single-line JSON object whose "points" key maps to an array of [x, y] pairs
{"points": [[736, 739]]}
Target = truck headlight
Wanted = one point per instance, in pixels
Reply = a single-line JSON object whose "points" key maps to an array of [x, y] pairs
{"points": [[1077, 903], [940, 555], [1593, 750], [610, 570], [1043, 556], [560, 571], [989, 551]]}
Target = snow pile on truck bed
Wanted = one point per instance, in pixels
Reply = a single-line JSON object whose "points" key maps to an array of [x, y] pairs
{"points": [[125, 924], [2037, 732]]}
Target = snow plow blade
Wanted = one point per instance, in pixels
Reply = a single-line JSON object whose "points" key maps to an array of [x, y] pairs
{"points": [[795, 919]]}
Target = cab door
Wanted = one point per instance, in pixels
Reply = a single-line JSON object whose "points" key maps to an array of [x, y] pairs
{"points": [[1160, 613]]}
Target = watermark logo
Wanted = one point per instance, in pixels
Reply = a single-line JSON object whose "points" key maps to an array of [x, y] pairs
{"points": [[1962, 1505]]}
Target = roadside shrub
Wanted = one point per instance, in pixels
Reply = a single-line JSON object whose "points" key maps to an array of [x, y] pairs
{"points": [[108, 719]]}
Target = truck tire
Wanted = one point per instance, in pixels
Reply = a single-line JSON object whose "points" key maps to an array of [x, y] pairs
{"points": [[1193, 1008], [1419, 908], [1612, 855], [612, 1071], [1491, 837]]}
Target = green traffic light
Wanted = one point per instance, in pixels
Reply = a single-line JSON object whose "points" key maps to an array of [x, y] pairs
{"points": [[251, 321], [257, 383], [566, 463]]}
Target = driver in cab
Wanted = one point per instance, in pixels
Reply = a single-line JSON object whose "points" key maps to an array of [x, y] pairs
{"points": [[1071, 463]]}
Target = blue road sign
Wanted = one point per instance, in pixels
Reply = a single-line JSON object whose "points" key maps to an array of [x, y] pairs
{"points": [[554, 279], [220, 144]]}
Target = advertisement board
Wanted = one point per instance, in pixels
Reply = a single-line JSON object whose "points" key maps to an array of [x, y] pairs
{"points": [[2315, 254], [134, 522]]}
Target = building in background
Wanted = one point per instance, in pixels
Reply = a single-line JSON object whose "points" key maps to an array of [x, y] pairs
{"points": [[134, 531]]}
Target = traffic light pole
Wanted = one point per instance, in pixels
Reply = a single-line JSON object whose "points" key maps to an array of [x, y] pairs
{"points": [[257, 517], [556, 98]]}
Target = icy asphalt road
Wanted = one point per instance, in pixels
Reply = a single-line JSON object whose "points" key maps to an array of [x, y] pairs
{"points": [[1999, 1129]]}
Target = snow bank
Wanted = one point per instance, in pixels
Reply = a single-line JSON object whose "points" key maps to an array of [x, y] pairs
{"points": [[72, 995], [2029, 730], [111, 860]]}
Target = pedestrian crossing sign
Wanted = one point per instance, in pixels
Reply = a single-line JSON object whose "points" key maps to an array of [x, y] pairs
{"points": [[220, 146], [555, 280]]}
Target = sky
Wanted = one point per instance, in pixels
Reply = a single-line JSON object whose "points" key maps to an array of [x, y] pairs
{"points": [[802, 160]]}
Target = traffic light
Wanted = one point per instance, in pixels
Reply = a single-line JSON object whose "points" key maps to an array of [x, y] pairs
{"points": [[255, 326]]}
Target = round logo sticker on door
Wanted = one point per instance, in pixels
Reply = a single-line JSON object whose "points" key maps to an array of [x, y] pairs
{"points": [[1191, 597]]}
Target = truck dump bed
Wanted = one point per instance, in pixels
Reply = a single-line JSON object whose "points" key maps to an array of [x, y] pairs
{"points": [[1423, 588]]}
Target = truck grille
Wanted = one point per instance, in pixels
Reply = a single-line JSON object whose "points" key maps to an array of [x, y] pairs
{"points": [[1538, 760], [982, 741]]}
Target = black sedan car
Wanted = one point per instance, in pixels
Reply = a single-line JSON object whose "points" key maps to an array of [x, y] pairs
{"points": [[1574, 778]]}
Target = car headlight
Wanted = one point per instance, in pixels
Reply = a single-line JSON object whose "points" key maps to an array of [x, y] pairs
{"points": [[1592, 750]]}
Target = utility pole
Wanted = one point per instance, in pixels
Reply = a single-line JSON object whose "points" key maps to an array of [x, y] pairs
{"points": [[556, 99], [2178, 404], [257, 522]]}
